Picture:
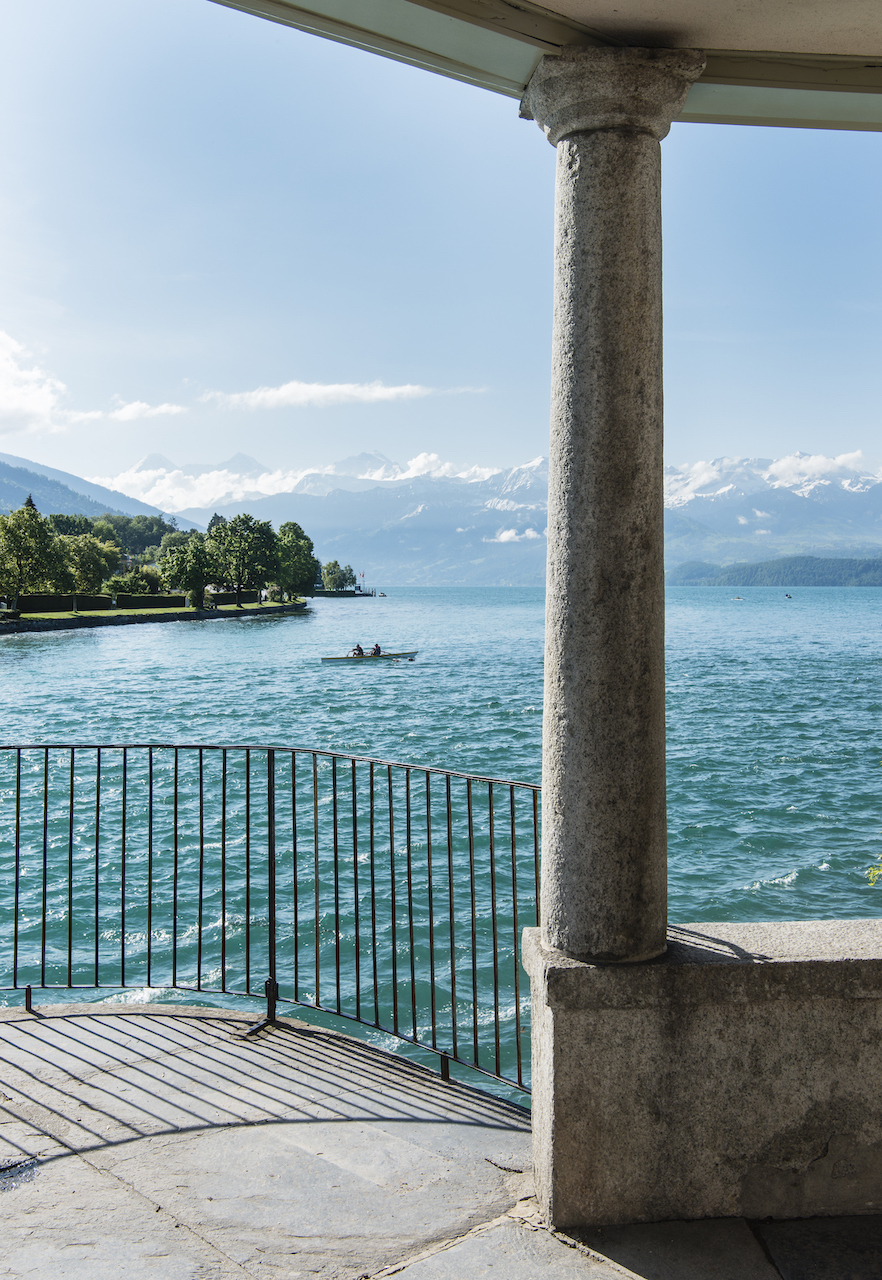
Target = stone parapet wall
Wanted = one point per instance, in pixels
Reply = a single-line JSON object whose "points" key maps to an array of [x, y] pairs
{"points": [[735, 1076]]}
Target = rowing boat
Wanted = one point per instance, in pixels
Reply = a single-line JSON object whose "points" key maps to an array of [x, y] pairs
{"points": [[407, 655]]}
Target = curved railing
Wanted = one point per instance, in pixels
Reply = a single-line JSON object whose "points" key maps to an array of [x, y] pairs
{"points": [[390, 894]]}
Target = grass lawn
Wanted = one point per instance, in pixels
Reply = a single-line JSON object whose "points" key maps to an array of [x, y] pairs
{"points": [[146, 613]]}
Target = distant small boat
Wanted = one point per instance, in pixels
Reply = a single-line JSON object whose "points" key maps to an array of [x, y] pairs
{"points": [[406, 655]]}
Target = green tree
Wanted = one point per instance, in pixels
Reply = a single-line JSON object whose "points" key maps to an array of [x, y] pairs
{"points": [[247, 552], [135, 533], [336, 578], [30, 556], [103, 529], [298, 568], [179, 538], [191, 566], [89, 561], [132, 583], [71, 526]]}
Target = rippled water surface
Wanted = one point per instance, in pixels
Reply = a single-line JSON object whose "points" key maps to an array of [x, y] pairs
{"points": [[775, 752]]}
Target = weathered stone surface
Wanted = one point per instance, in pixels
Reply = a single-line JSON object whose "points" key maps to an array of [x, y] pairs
{"points": [[159, 1145], [511, 1251], [824, 1248], [735, 1076], [168, 1142], [712, 1250], [604, 829], [589, 89]]}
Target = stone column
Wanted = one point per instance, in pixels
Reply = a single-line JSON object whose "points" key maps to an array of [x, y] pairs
{"points": [[604, 842]]}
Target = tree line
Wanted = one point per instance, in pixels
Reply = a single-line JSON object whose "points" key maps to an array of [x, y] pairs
{"points": [[784, 571], [146, 554]]}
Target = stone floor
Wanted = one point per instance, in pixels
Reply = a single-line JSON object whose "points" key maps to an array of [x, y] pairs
{"points": [[161, 1145]]}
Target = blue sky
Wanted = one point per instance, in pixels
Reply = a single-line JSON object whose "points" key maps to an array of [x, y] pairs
{"points": [[197, 204]]}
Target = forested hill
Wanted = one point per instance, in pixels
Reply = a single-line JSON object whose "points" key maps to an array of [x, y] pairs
{"points": [[49, 495], [788, 571], [54, 490]]}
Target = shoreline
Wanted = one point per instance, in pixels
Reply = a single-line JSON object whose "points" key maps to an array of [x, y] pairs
{"points": [[76, 622]]}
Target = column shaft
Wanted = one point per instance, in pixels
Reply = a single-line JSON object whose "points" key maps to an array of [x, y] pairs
{"points": [[604, 870]]}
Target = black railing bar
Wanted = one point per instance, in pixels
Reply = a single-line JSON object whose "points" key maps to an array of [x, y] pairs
{"points": [[336, 880], [98, 861], [270, 986], [355, 900], [317, 751], [374, 901], [201, 897], [70, 866], [224, 781], [516, 938], [248, 869], [452, 911], [491, 800], [474, 921], [394, 902], [45, 887], [17, 892], [536, 857], [149, 866], [317, 876], [271, 860], [431, 904], [175, 877], [122, 870], [410, 933], [294, 870]]}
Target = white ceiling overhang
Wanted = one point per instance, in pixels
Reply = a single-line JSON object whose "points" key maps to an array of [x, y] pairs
{"points": [[822, 71]]}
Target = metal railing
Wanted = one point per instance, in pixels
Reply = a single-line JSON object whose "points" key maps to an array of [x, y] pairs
{"points": [[390, 894]]}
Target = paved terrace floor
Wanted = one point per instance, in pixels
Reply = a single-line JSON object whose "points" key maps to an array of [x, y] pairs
{"points": [[161, 1145]]}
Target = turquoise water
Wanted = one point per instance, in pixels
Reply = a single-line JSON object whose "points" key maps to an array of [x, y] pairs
{"points": [[774, 741]]}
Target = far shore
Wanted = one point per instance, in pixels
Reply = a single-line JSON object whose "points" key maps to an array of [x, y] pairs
{"points": [[30, 622]]}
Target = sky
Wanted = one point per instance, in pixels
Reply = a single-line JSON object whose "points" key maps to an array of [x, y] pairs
{"points": [[220, 235]]}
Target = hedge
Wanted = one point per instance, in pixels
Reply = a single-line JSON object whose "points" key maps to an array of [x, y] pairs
{"points": [[150, 602], [45, 604], [90, 604], [229, 597]]}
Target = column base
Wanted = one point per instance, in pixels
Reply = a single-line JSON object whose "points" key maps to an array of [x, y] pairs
{"points": [[736, 1076]]}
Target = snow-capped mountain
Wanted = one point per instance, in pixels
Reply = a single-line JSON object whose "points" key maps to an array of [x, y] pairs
{"points": [[435, 522], [786, 506]]}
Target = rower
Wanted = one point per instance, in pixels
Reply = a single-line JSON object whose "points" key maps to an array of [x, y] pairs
{"points": [[358, 652], [376, 651]]}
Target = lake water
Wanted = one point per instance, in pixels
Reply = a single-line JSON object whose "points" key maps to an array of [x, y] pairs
{"points": [[774, 745], [774, 739]]}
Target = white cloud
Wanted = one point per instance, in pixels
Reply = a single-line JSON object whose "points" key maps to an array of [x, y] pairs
{"points": [[429, 464], [804, 468], [682, 483], [30, 398], [512, 535], [298, 395], [173, 489], [138, 409]]}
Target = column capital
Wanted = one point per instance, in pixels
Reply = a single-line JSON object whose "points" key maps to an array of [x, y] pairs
{"points": [[586, 90]]}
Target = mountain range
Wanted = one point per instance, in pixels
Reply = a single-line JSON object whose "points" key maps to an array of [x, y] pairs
{"points": [[427, 522]]}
